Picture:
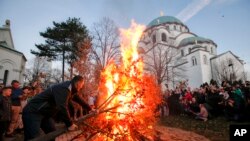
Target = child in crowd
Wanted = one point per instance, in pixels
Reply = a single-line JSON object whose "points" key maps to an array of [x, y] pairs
{"points": [[25, 95], [203, 114], [5, 110]]}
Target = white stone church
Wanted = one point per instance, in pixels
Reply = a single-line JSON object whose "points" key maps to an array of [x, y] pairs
{"points": [[12, 62], [168, 43]]}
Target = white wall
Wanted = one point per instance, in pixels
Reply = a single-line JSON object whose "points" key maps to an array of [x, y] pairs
{"points": [[5, 35], [13, 62], [205, 68], [194, 73]]}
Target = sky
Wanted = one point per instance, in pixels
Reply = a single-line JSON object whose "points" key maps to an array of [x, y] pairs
{"points": [[226, 22]]}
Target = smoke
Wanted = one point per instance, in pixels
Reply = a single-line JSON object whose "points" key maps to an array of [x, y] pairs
{"points": [[192, 9]]}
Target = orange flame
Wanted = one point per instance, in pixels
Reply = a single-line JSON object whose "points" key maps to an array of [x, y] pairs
{"points": [[126, 85]]}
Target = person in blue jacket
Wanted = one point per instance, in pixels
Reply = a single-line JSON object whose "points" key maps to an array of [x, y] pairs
{"points": [[16, 96]]}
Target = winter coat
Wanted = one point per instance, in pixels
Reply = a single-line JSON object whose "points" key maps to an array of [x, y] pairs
{"points": [[5, 108], [51, 101], [16, 101]]}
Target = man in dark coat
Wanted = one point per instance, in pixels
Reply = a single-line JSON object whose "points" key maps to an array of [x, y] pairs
{"points": [[5, 110], [42, 107]]}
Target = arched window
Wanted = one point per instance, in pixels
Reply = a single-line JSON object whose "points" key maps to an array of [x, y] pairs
{"points": [[194, 61], [205, 59], [5, 77], [182, 52], [154, 38], [174, 27], [167, 28], [163, 37], [212, 50], [230, 62], [205, 48]]}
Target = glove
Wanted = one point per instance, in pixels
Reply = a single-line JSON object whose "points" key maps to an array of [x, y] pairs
{"points": [[73, 127]]}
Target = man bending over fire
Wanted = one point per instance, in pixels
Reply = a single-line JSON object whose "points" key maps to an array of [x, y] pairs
{"points": [[41, 108]]}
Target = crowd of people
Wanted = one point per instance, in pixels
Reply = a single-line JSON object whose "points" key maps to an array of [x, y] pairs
{"points": [[12, 100], [30, 109], [230, 99]]}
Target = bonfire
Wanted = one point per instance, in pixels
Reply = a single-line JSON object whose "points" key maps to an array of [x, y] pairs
{"points": [[128, 98]]}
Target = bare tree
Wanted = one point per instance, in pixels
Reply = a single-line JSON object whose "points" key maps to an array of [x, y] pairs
{"points": [[28, 76], [105, 42], [56, 76], [245, 74], [159, 60], [226, 70], [38, 68]]}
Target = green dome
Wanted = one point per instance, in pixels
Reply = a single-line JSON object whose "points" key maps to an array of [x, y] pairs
{"points": [[164, 19], [192, 40]]}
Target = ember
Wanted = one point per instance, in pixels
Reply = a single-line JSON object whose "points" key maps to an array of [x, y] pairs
{"points": [[136, 93]]}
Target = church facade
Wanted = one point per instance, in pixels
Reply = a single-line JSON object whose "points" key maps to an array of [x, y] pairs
{"points": [[12, 62], [173, 53]]}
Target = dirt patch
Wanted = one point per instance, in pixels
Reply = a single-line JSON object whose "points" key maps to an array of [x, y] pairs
{"points": [[175, 134]]}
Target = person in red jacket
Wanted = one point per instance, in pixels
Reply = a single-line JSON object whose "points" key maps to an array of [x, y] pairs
{"points": [[188, 95]]}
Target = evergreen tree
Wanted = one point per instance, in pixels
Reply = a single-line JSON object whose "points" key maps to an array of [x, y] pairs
{"points": [[62, 42]]}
